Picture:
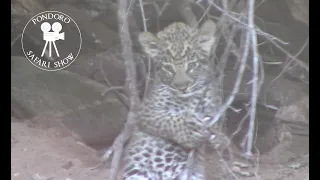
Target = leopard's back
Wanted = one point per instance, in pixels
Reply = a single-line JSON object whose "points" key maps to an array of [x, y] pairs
{"points": [[153, 158]]}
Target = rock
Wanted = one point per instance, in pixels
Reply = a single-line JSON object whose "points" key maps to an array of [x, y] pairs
{"points": [[295, 117], [297, 112], [30, 6], [109, 66], [67, 166], [95, 35], [299, 10], [72, 100], [274, 91], [292, 131]]}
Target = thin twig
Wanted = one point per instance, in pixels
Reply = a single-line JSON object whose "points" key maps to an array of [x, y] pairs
{"points": [[300, 62], [149, 59], [164, 7], [122, 97], [260, 32], [132, 90], [286, 67], [130, 6], [256, 162], [15, 39], [127, 12], [255, 61], [237, 83], [144, 20], [114, 88], [225, 55], [148, 77], [203, 15]]}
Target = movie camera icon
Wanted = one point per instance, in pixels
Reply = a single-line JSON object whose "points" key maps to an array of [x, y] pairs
{"points": [[51, 37]]}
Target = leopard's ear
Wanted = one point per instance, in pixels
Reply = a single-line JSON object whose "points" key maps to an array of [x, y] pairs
{"points": [[206, 36], [150, 44]]}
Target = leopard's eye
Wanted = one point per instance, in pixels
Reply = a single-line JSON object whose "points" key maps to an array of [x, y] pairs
{"points": [[168, 68], [192, 66]]}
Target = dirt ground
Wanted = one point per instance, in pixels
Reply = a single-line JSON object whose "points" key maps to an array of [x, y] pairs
{"points": [[50, 154], [43, 154]]}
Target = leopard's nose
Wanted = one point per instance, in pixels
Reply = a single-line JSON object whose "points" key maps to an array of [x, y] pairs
{"points": [[182, 86], [181, 81]]}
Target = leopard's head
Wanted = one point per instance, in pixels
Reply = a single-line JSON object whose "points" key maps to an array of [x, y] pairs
{"points": [[181, 55]]}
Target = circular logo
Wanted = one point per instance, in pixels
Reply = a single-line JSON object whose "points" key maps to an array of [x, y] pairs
{"points": [[59, 36]]}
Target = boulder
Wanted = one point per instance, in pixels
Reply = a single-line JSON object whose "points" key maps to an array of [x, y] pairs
{"points": [[69, 99]]}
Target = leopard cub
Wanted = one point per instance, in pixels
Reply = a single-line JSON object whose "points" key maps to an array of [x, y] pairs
{"points": [[184, 90], [171, 116]]}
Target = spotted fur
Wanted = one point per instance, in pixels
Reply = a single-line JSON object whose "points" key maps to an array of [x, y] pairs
{"points": [[153, 158], [181, 96], [184, 91]]}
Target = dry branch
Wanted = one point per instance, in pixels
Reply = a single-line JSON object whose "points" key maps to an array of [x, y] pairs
{"points": [[235, 89], [127, 54], [254, 92]]}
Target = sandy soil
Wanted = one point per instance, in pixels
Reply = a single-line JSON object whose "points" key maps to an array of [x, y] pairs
{"points": [[39, 154], [50, 153]]}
